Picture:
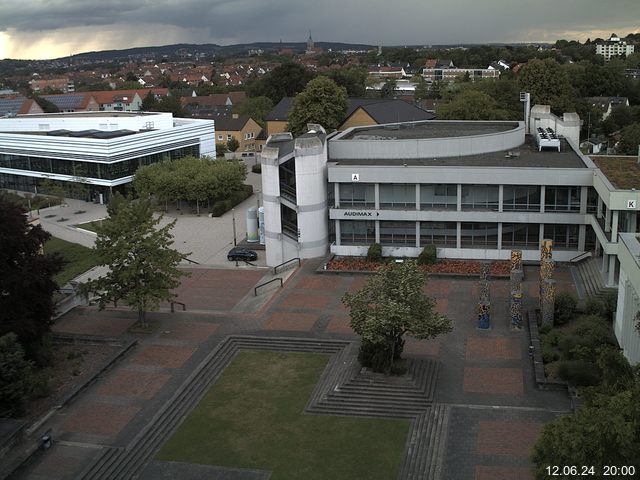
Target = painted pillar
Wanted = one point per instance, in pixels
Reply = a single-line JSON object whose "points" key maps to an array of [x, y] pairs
{"points": [[548, 301]]}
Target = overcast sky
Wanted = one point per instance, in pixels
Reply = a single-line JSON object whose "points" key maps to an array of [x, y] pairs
{"points": [[55, 28]]}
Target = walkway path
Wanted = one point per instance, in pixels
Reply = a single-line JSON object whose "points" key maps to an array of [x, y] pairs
{"points": [[491, 411]]}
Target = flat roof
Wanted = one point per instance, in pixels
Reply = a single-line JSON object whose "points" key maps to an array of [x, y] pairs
{"points": [[428, 129], [527, 155], [622, 172], [102, 113]]}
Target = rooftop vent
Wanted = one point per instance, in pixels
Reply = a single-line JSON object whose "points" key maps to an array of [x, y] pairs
{"points": [[547, 138]]}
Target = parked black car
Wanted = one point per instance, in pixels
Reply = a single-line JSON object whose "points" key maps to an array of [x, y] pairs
{"points": [[241, 253]]}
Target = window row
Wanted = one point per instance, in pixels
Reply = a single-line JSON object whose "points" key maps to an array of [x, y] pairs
{"points": [[106, 171], [473, 197], [445, 234]]}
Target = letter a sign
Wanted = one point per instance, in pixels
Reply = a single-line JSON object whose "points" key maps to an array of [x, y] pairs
{"points": [[355, 177]]}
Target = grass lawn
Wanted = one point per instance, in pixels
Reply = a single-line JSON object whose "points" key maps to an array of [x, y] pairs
{"points": [[78, 258], [91, 226], [253, 418]]}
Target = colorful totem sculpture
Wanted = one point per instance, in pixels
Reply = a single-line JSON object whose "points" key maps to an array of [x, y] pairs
{"points": [[547, 284], [484, 303], [517, 275]]}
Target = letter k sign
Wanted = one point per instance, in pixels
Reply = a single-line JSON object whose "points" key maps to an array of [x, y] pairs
{"points": [[355, 177]]}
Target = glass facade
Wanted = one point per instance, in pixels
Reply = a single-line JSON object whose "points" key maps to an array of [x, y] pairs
{"points": [[479, 235], [563, 236], [353, 232], [401, 234], [357, 195], [521, 235], [439, 197], [521, 198], [289, 219], [398, 195], [562, 199], [95, 170], [441, 234], [480, 197]]}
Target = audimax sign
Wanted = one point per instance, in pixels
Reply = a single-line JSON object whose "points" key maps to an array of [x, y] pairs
{"points": [[361, 213]]}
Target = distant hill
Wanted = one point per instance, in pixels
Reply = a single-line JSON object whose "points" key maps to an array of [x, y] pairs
{"points": [[212, 48]]}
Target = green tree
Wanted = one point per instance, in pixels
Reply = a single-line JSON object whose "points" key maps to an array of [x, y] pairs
{"points": [[388, 89], [606, 431], [471, 105], [629, 140], [390, 305], [233, 144], [15, 377], [548, 83], [352, 78], [143, 266], [285, 80], [26, 279], [255, 107], [422, 90], [149, 102], [221, 149], [322, 102]]}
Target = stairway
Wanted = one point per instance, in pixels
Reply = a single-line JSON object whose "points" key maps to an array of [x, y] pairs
{"points": [[592, 279]]}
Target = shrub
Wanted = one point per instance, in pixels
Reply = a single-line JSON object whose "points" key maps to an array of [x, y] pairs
{"points": [[218, 209], [610, 301], [594, 306], [15, 376], [617, 373], [257, 168], [374, 254], [579, 373], [549, 354], [565, 308], [41, 385], [428, 256]]}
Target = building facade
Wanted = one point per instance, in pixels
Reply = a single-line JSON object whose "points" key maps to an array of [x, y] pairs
{"points": [[614, 47], [101, 150]]}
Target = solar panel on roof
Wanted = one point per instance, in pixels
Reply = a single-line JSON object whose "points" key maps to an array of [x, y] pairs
{"points": [[66, 102]]}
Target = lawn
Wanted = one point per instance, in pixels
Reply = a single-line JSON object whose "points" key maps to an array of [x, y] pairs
{"points": [[78, 259], [91, 226], [253, 418]]}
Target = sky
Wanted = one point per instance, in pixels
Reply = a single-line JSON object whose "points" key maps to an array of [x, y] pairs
{"points": [[42, 29]]}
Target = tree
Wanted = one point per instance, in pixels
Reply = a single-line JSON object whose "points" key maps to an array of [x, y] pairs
{"points": [[26, 279], [352, 78], [285, 80], [605, 431], [322, 102], [221, 149], [471, 105], [143, 266], [629, 140], [149, 102], [255, 107], [388, 89], [15, 376], [233, 144], [422, 90], [390, 305], [548, 83]]}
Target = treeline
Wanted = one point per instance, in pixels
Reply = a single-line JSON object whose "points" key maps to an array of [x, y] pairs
{"points": [[193, 180]]}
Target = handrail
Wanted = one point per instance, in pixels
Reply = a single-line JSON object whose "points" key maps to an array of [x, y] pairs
{"points": [[577, 258], [184, 307], [255, 290], [189, 260], [275, 269]]}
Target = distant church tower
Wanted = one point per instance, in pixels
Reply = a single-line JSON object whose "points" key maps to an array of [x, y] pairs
{"points": [[310, 44]]}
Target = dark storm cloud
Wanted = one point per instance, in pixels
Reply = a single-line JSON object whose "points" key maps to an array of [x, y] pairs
{"points": [[126, 23]]}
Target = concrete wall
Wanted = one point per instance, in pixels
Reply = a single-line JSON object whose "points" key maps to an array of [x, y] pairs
{"points": [[271, 202], [628, 297], [85, 121]]}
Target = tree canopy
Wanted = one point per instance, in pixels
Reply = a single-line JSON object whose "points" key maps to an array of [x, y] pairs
{"points": [[285, 80], [15, 376], [322, 102], [26, 278], [255, 107], [143, 266], [629, 140], [548, 83], [471, 105], [391, 304]]}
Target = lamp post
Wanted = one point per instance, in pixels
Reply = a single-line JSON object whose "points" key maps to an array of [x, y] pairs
{"points": [[233, 219]]}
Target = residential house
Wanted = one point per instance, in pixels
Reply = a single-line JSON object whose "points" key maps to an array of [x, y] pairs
{"points": [[241, 127], [74, 102], [62, 83], [607, 104], [125, 100], [614, 47], [18, 105]]}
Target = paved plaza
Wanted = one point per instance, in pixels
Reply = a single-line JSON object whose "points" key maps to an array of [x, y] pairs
{"points": [[495, 412]]}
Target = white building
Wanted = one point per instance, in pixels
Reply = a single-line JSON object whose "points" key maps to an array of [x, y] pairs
{"points": [[628, 297], [614, 47], [100, 149]]}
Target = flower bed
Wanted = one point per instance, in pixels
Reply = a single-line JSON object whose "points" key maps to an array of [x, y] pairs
{"points": [[455, 267]]}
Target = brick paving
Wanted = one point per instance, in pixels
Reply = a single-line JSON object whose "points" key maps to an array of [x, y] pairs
{"points": [[493, 348], [135, 384], [100, 418], [496, 411], [507, 438], [166, 356]]}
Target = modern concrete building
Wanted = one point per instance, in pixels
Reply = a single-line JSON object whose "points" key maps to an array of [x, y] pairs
{"points": [[100, 149], [614, 47], [628, 307]]}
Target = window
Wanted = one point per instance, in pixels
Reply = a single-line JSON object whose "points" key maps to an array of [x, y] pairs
{"points": [[398, 195], [289, 220], [480, 197], [229, 137], [441, 234], [521, 198], [479, 235], [563, 236], [398, 233], [357, 195], [439, 196], [355, 232], [525, 235], [220, 137], [562, 199], [592, 200]]}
